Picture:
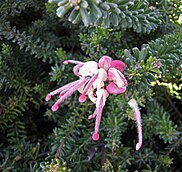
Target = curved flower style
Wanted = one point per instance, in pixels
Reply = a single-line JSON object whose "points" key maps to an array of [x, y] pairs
{"points": [[133, 104], [96, 81]]}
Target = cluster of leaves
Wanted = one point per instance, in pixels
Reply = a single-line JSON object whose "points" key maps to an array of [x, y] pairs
{"points": [[127, 14], [170, 10], [33, 44]]}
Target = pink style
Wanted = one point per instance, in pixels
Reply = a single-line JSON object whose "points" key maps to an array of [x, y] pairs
{"points": [[96, 81]]}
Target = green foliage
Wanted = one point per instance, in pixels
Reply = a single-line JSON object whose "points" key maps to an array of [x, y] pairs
{"points": [[163, 125], [128, 14], [170, 9], [34, 42], [114, 126]]}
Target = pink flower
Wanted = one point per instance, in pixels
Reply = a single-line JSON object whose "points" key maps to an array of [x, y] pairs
{"points": [[96, 81]]}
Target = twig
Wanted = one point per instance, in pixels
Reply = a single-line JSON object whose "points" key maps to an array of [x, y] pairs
{"points": [[173, 106], [174, 146], [59, 148]]}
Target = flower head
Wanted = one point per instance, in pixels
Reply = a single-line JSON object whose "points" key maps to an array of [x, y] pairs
{"points": [[96, 81]]}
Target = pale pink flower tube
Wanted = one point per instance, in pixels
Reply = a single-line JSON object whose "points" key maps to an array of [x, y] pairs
{"points": [[133, 104]]}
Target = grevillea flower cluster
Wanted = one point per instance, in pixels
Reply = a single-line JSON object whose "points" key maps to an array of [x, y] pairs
{"points": [[96, 81]]}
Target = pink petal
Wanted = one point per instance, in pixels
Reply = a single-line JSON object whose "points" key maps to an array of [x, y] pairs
{"points": [[55, 107], [76, 68], [113, 89], [82, 98], [117, 77], [95, 136], [105, 62], [63, 88], [101, 99], [63, 92], [119, 65], [93, 115], [69, 93], [48, 97]]}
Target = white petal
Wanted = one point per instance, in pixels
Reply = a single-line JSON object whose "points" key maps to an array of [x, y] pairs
{"points": [[100, 93], [92, 97], [88, 69], [99, 82]]}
